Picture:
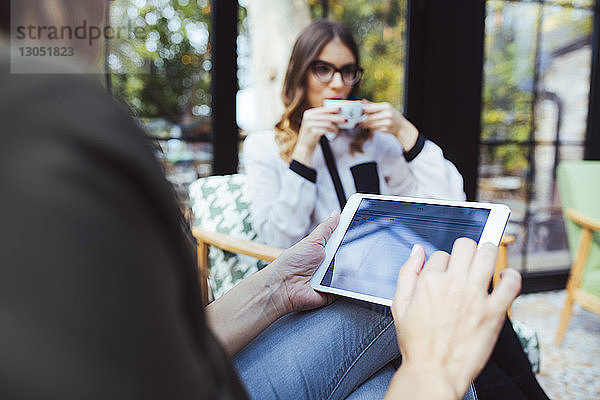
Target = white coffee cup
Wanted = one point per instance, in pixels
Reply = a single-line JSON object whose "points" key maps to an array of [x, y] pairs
{"points": [[352, 110]]}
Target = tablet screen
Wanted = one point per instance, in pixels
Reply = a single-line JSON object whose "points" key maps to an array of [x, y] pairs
{"points": [[380, 237]]}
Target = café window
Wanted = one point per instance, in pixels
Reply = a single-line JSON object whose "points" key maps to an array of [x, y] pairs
{"points": [[536, 88], [162, 73]]}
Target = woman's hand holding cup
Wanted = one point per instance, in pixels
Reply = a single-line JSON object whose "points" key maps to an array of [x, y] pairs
{"points": [[316, 122], [385, 118], [351, 110]]}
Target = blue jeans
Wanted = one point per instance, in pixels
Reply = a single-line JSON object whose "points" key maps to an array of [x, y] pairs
{"points": [[340, 351]]}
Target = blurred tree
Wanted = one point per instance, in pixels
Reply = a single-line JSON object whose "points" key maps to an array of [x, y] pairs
{"points": [[162, 67], [164, 70], [506, 108]]}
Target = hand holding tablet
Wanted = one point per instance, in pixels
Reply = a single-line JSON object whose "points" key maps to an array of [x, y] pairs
{"points": [[376, 234]]}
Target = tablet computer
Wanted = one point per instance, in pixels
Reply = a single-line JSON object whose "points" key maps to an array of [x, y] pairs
{"points": [[376, 234]]}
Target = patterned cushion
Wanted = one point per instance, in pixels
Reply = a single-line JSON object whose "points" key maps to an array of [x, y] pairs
{"points": [[529, 340], [220, 204]]}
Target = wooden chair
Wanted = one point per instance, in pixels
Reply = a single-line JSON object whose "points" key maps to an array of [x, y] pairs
{"points": [[225, 242], [580, 194], [575, 293], [221, 215], [502, 261]]}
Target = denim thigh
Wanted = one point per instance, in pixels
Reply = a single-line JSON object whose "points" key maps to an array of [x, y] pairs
{"points": [[319, 354]]}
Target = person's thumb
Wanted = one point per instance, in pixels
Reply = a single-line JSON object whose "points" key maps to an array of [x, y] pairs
{"points": [[321, 234]]}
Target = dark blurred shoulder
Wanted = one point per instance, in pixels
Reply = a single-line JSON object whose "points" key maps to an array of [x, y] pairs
{"points": [[59, 125], [70, 108], [37, 92]]}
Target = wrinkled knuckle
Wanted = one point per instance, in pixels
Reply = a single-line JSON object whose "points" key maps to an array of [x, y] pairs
{"points": [[320, 239], [320, 255]]}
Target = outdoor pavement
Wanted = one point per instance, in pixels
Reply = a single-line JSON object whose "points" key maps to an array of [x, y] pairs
{"points": [[572, 370]]}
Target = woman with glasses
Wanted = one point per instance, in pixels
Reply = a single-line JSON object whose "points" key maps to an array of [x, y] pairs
{"points": [[292, 189], [291, 186]]}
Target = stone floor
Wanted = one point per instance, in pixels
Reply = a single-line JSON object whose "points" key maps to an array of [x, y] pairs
{"points": [[572, 370]]}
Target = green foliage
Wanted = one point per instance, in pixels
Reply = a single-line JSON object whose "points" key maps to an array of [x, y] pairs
{"points": [[506, 109], [379, 29], [164, 70], [509, 71]]}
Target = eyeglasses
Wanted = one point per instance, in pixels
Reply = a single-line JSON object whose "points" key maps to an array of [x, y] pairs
{"points": [[324, 72]]}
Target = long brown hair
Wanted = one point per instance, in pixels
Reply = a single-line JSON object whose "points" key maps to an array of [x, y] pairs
{"points": [[308, 46]]}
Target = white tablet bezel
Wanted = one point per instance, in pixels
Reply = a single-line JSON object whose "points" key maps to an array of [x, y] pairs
{"points": [[492, 233]]}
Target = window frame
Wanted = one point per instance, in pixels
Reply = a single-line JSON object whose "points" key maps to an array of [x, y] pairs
{"points": [[437, 30]]}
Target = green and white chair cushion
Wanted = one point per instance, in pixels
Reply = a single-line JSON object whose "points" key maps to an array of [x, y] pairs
{"points": [[220, 204], [530, 342]]}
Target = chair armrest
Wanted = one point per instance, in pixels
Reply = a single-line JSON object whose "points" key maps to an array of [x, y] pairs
{"points": [[238, 246], [583, 220], [502, 260]]}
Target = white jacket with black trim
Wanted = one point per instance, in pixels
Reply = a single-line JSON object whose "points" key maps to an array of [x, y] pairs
{"points": [[290, 199]]}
